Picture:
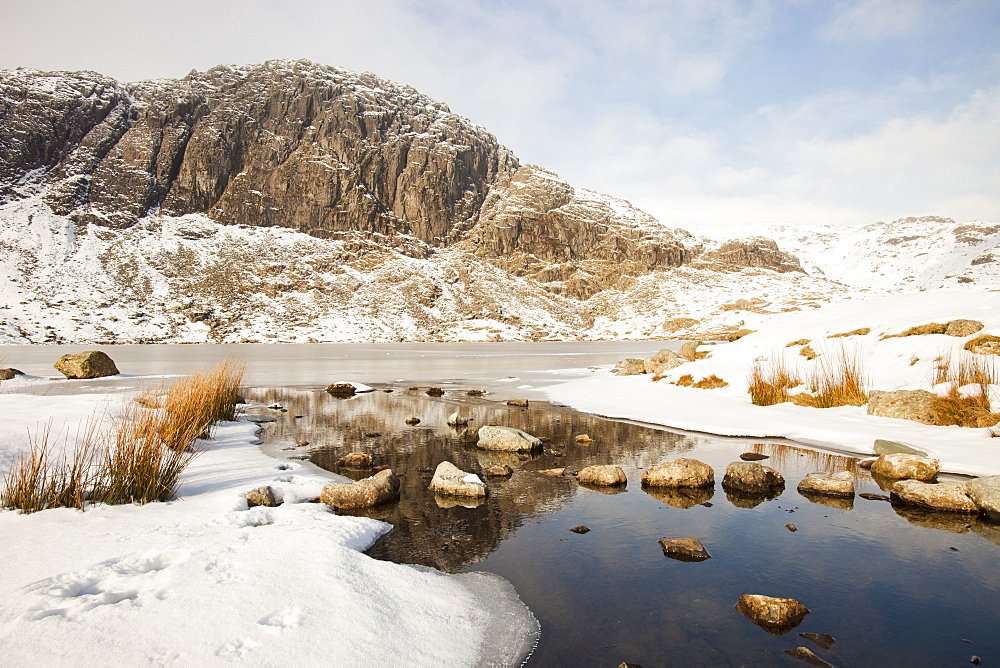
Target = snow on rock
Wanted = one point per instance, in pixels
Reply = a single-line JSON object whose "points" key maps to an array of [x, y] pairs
{"points": [[206, 581], [906, 362]]}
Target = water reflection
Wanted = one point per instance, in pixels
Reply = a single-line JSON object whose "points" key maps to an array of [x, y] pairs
{"points": [[610, 596]]}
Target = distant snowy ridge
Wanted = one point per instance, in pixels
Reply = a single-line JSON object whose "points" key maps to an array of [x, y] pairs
{"points": [[910, 254]]}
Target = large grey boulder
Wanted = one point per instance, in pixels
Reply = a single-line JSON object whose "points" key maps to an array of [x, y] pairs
{"points": [[608, 475], [88, 364], [900, 465], [777, 616], [492, 437], [985, 493], [379, 488], [453, 481], [913, 405], [828, 484], [751, 478], [949, 496], [681, 472]]}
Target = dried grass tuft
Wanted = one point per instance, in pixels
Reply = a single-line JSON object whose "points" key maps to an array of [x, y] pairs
{"points": [[861, 331], [144, 453], [839, 381], [808, 353], [965, 409], [36, 482], [710, 383], [769, 385], [799, 342]]}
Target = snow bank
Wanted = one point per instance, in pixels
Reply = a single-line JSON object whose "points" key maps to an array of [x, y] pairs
{"points": [[206, 581], [890, 364]]}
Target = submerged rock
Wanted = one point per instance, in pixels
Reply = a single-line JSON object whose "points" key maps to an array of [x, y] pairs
{"points": [[10, 374], [777, 616], [900, 465], [356, 460], [681, 497], [453, 481], [752, 478], [492, 437], [884, 447], [498, 471], [602, 475], [681, 472], [684, 549], [948, 496], [753, 457], [829, 484], [379, 488], [824, 640], [88, 364], [807, 655], [581, 529]]}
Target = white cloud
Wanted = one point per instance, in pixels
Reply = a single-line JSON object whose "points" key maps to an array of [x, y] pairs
{"points": [[877, 20]]}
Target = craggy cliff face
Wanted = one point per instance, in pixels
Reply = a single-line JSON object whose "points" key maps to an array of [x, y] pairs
{"points": [[293, 144]]}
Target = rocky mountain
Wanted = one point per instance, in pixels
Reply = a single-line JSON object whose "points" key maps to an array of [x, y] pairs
{"points": [[291, 201]]}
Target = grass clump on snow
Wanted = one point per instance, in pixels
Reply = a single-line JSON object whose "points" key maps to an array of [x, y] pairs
{"points": [[709, 383], [971, 407], [769, 385], [144, 454], [861, 331], [838, 381]]}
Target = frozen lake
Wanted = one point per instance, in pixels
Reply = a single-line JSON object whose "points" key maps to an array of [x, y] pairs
{"points": [[318, 364]]}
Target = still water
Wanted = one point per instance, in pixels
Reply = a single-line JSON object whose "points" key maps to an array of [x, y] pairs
{"points": [[892, 586]]}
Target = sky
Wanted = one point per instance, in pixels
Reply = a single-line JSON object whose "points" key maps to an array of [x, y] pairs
{"points": [[708, 114]]}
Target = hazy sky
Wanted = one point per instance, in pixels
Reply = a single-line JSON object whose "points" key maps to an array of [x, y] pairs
{"points": [[701, 112]]}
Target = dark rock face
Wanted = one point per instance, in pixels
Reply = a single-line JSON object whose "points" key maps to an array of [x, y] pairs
{"points": [[290, 143]]}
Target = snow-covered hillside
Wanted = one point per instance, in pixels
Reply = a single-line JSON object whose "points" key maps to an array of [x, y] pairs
{"points": [[190, 279], [909, 254]]}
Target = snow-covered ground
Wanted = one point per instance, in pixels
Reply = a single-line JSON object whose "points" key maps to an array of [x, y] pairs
{"points": [[889, 363], [206, 581]]}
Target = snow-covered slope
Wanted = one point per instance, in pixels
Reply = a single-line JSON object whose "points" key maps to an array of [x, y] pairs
{"points": [[887, 363], [905, 255]]}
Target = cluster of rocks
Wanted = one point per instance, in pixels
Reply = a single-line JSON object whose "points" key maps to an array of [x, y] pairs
{"points": [[86, 365], [912, 480], [660, 362]]}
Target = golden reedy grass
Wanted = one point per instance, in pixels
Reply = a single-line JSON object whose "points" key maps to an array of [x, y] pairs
{"points": [[769, 385], [144, 454]]}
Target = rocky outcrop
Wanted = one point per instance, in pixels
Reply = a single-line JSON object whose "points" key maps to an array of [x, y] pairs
{"points": [[681, 472], [576, 242], [88, 364], [900, 465], [262, 496], [290, 143], [739, 254]]}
